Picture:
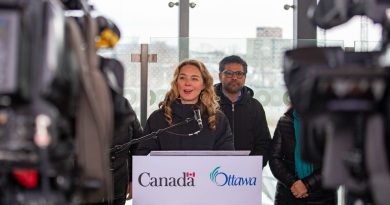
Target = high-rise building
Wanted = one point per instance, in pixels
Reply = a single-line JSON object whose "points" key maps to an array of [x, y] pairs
{"points": [[269, 32]]}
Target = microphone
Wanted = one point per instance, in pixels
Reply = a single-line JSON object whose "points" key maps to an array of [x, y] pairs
{"points": [[198, 117]]}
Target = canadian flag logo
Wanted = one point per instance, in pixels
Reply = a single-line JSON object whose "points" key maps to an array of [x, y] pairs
{"points": [[190, 174]]}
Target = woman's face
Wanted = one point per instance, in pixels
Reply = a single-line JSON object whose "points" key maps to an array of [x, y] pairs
{"points": [[190, 84]]}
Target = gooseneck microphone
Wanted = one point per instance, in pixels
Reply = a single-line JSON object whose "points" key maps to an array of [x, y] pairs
{"points": [[154, 135], [198, 117]]}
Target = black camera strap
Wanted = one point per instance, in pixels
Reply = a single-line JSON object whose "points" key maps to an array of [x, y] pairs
{"points": [[94, 117]]}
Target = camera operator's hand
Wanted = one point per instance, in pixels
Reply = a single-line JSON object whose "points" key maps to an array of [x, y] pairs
{"points": [[129, 191], [299, 190]]}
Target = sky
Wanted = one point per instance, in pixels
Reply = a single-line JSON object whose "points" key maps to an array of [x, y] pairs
{"points": [[145, 19], [210, 18]]}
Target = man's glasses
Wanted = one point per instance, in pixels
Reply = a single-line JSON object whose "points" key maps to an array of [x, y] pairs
{"points": [[229, 74]]}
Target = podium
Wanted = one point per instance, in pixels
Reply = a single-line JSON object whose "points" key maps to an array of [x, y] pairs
{"points": [[197, 178]]}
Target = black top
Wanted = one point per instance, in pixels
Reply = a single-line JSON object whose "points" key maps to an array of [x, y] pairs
{"points": [[126, 127], [178, 138], [282, 164], [248, 122]]}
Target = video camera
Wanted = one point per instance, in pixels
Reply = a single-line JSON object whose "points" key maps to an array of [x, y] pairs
{"points": [[343, 101], [55, 106]]}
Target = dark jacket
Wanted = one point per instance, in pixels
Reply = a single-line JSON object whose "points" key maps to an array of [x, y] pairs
{"points": [[248, 122], [282, 165], [177, 138], [126, 128]]}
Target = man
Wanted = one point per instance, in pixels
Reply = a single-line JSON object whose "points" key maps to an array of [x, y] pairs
{"points": [[126, 128], [126, 123], [245, 113]]}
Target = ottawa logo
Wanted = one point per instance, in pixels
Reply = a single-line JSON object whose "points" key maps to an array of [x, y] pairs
{"points": [[222, 179]]}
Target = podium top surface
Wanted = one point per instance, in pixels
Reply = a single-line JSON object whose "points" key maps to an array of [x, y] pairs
{"points": [[200, 153]]}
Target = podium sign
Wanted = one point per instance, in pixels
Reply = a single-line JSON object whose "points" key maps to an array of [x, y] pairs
{"points": [[197, 180]]}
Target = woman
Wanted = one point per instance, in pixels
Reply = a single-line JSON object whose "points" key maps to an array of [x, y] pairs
{"points": [[191, 88], [299, 183]]}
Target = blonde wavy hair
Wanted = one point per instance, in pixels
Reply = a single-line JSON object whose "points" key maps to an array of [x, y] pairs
{"points": [[207, 99]]}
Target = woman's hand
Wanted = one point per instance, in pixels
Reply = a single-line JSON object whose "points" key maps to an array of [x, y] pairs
{"points": [[299, 190]]}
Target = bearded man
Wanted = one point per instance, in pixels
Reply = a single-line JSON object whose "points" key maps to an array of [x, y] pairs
{"points": [[245, 113]]}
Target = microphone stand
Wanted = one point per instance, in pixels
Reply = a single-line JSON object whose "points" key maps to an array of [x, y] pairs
{"points": [[152, 135]]}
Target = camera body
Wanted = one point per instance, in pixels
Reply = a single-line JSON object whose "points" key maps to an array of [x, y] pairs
{"points": [[38, 93], [47, 116], [328, 83], [343, 101]]}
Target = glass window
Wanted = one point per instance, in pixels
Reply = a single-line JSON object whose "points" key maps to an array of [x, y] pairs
{"points": [[239, 19], [211, 19], [140, 19]]}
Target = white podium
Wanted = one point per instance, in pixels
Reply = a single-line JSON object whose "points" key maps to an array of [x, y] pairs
{"points": [[205, 178]]}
